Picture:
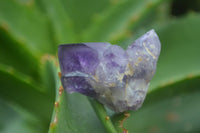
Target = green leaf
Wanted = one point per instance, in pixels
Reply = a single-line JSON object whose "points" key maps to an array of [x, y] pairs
{"points": [[180, 51], [100, 110], [27, 26], [172, 102], [82, 13], [172, 109], [73, 114], [116, 20], [21, 90], [16, 56], [48, 75], [62, 25], [15, 120]]}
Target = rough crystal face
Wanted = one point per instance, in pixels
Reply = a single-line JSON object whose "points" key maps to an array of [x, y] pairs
{"points": [[117, 78]]}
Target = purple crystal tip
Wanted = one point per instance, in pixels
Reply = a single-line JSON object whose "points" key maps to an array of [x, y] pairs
{"points": [[117, 78]]}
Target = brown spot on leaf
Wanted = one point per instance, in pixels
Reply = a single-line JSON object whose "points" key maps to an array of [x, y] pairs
{"points": [[4, 26], [60, 90], [56, 63], [30, 3], [190, 76], [56, 104], [126, 115], [51, 125], [170, 82], [124, 131], [149, 4], [107, 117], [47, 57], [172, 117], [59, 74], [114, 1], [52, 57], [134, 18], [44, 58], [54, 121], [163, 84]]}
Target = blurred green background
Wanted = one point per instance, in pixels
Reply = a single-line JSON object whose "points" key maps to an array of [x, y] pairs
{"points": [[31, 30]]}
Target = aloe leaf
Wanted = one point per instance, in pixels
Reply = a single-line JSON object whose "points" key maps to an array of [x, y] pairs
{"points": [[82, 13], [21, 90], [180, 51], [27, 26], [117, 19], [16, 120], [62, 25], [102, 114], [12, 54], [172, 102], [48, 74], [73, 114], [173, 109]]}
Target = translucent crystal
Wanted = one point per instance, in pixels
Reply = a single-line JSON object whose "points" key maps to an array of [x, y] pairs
{"points": [[117, 78]]}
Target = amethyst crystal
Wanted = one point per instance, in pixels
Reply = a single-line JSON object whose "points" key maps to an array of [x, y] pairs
{"points": [[117, 78]]}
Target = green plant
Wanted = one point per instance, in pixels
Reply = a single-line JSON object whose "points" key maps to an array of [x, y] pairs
{"points": [[30, 32]]}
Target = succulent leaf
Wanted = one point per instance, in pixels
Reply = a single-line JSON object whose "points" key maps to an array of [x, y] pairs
{"points": [[116, 20], [171, 104], [27, 25], [15, 88], [61, 24]]}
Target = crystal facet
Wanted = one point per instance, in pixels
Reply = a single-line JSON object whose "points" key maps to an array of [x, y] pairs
{"points": [[117, 78]]}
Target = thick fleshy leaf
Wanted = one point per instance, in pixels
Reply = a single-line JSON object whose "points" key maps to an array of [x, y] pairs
{"points": [[171, 109], [73, 113], [180, 51], [15, 120], [21, 90], [160, 15], [27, 26], [82, 13], [172, 106], [117, 19], [62, 25], [48, 75], [13, 54]]}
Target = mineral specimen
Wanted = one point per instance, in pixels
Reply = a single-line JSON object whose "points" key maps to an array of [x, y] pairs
{"points": [[117, 78]]}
